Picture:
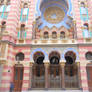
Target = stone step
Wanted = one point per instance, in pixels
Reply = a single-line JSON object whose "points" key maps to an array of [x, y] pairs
{"points": [[55, 91]]}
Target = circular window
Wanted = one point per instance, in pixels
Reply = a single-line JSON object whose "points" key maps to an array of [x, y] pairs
{"points": [[88, 55], [54, 15], [19, 56]]}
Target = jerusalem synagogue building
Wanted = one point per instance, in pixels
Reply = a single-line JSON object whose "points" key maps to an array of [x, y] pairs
{"points": [[46, 45]]}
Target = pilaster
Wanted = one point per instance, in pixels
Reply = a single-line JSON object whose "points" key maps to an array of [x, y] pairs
{"points": [[84, 82], [62, 75], [46, 75], [30, 79]]}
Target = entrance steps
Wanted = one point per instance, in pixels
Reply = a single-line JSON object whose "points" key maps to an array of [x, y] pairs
{"points": [[55, 91]]}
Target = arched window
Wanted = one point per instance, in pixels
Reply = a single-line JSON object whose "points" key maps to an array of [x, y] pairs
{"points": [[82, 4], [83, 11], [20, 56], [62, 35], [8, 2], [25, 9], [1, 2], [25, 5], [24, 12], [4, 8], [54, 35], [86, 26], [6, 12], [22, 31], [1, 7], [86, 31], [88, 55], [22, 27], [46, 36], [3, 27]]}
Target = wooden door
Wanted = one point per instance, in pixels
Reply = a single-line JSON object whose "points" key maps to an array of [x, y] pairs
{"points": [[18, 78], [38, 78], [55, 76], [89, 77], [71, 76]]}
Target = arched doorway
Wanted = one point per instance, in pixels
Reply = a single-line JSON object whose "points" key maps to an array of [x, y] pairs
{"points": [[71, 71], [54, 70], [38, 71], [18, 77], [89, 76]]}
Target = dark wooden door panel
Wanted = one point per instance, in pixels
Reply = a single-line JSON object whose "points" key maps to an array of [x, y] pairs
{"points": [[18, 78], [38, 78], [55, 76]]}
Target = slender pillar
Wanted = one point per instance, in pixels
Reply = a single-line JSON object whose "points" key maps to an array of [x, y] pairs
{"points": [[46, 75], [75, 33], [31, 65], [79, 76], [62, 75]]}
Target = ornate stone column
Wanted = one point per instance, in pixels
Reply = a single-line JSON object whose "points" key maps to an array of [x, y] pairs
{"points": [[46, 75], [74, 33], [62, 75]]}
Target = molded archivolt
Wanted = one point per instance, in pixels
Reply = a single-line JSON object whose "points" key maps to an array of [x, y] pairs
{"points": [[38, 50], [46, 3], [70, 49], [47, 53], [64, 5]]}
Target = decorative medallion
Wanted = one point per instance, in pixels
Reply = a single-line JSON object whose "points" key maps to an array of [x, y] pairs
{"points": [[54, 15]]}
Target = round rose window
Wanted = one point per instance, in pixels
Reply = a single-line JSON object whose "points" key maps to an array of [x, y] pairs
{"points": [[54, 14]]}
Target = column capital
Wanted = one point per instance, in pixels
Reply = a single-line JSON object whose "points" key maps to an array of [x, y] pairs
{"points": [[31, 64], [46, 74], [34, 22], [78, 63], [62, 64], [46, 64], [74, 21]]}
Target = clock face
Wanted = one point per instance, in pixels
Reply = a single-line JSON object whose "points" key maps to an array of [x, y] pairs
{"points": [[54, 14]]}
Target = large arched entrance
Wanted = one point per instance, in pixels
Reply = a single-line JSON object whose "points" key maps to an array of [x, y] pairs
{"points": [[38, 71], [71, 71], [54, 70], [18, 77], [89, 76]]}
